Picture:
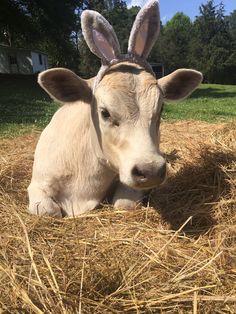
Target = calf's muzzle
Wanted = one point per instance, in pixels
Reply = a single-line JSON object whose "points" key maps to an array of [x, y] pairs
{"points": [[148, 175]]}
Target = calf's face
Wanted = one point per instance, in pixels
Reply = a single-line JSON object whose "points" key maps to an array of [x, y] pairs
{"points": [[129, 102], [126, 111]]}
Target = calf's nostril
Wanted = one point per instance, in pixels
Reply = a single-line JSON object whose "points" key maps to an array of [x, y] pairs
{"points": [[152, 173], [138, 174]]}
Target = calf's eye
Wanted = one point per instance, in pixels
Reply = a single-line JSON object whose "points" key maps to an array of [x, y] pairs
{"points": [[105, 114]]}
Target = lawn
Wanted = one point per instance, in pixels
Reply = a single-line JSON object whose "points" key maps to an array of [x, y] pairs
{"points": [[24, 106], [210, 103]]}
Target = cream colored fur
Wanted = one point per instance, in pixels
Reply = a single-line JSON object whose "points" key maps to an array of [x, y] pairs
{"points": [[67, 169], [106, 133], [79, 155]]}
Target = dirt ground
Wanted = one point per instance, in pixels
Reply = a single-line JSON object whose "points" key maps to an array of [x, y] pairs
{"points": [[178, 255]]}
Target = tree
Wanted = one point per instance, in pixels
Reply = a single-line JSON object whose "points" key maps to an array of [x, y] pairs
{"points": [[207, 44], [15, 24], [41, 24], [172, 47], [122, 20], [211, 44], [56, 20], [231, 62], [232, 23]]}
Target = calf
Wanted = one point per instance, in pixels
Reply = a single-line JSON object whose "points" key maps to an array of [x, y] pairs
{"points": [[107, 131]]}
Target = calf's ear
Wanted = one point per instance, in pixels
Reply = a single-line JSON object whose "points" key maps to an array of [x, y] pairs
{"points": [[65, 86], [179, 84]]}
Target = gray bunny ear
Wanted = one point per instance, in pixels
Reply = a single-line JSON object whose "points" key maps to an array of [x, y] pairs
{"points": [[100, 36], [145, 29]]}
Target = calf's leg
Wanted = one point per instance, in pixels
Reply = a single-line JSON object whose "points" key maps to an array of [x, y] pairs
{"points": [[42, 204], [127, 198]]}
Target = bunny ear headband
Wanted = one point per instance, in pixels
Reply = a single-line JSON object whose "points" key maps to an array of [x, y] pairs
{"points": [[102, 40]]}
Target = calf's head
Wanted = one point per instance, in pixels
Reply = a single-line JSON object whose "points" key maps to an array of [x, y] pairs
{"points": [[129, 101], [126, 100]]}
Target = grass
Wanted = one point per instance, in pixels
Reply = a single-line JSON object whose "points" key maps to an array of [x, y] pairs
{"points": [[210, 103], [24, 106]]}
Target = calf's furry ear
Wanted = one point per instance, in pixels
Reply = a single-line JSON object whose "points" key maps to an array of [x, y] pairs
{"points": [[145, 30], [100, 36], [64, 85], [179, 84]]}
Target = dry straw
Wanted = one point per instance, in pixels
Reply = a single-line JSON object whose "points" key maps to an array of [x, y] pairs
{"points": [[176, 256]]}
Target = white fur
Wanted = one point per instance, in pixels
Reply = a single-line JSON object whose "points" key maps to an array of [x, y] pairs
{"points": [[80, 153]]}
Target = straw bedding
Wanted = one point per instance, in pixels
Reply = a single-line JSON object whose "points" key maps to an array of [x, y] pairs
{"points": [[178, 255]]}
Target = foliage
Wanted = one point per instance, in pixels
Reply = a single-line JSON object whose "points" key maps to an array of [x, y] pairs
{"points": [[173, 43], [15, 24], [45, 25], [208, 43], [212, 44]]}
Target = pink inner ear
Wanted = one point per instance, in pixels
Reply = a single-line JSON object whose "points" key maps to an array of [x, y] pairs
{"points": [[141, 38], [103, 45]]}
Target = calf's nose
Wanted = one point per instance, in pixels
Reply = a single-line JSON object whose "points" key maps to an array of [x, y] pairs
{"points": [[149, 173]]}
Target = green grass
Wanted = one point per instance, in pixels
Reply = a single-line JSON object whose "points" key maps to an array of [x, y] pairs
{"points": [[210, 103], [25, 106]]}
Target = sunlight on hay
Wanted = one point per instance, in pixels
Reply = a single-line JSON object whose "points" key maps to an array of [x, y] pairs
{"points": [[176, 256]]}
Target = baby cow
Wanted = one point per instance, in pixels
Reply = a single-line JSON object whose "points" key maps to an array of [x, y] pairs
{"points": [[106, 134]]}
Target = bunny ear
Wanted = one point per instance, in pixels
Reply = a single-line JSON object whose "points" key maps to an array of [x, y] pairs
{"points": [[145, 30], [100, 36]]}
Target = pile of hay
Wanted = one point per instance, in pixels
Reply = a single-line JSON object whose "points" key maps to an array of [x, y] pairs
{"points": [[177, 256]]}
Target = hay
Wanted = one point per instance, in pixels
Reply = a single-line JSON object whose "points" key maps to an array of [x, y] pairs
{"points": [[177, 256]]}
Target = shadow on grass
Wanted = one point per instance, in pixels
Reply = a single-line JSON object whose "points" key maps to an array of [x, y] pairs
{"points": [[23, 101], [213, 92], [194, 191]]}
